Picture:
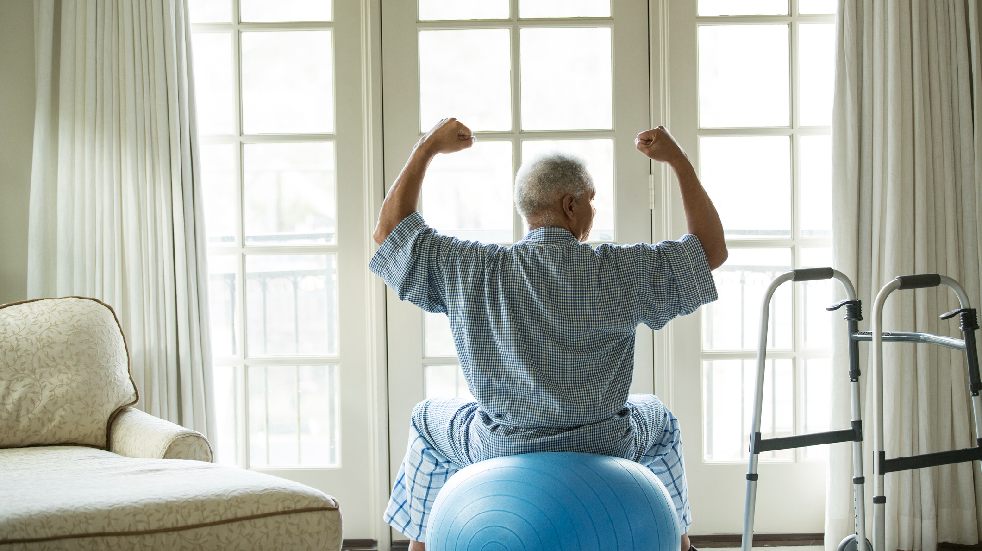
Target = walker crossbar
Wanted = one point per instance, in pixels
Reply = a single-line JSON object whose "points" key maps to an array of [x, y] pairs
{"points": [[854, 434], [922, 338], [925, 460], [761, 445]]}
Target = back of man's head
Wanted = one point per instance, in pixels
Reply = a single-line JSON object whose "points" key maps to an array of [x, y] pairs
{"points": [[542, 181]]}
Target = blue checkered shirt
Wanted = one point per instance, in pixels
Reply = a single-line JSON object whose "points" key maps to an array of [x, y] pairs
{"points": [[544, 331]]}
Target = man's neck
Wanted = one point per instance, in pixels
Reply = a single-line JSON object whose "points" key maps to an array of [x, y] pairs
{"points": [[549, 222]]}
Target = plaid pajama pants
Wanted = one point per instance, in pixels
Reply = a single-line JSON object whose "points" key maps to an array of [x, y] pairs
{"points": [[425, 470]]}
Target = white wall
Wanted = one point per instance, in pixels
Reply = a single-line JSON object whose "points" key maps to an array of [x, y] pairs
{"points": [[16, 135]]}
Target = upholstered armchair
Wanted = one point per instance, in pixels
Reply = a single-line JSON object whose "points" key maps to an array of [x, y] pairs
{"points": [[81, 468]]}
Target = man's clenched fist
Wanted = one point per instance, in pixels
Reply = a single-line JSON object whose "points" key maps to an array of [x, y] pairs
{"points": [[659, 145], [448, 136]]}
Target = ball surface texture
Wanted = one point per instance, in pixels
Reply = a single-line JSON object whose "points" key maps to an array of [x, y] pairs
{"points": [[553, 501]]}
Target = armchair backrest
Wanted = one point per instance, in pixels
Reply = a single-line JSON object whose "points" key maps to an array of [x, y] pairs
{"points": [[64, 372]]}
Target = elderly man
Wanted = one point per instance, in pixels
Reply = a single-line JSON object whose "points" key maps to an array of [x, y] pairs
{"points": [[544, 328]]}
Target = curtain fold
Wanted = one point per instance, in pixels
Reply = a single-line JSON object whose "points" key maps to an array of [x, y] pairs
{"points": [[906, 183], [116, 207]]}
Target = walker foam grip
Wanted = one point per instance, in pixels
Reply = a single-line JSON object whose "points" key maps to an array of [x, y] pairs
{"points": [[812, 274], [919, 281]]}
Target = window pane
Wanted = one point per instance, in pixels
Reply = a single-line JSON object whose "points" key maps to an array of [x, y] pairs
{"points": [[778, 419], [445, 381], [599, 157], [564, 8], [258, 417], [286, 10], [469, 194], [749, 180], [439, 339], [727, 432], [817, 396], [462, 9], [465, 74], [815, 157], [214, 85], [733, 321], [287, 82], [223, 377], [816, 6], [293, 416], [743, 76], [210, 11], [319, 415], [222, 291], [816, 73], [566, 78], [220, 190], [290, 193], [743, 7], [281, 414], [724, 432], [292, 304]]}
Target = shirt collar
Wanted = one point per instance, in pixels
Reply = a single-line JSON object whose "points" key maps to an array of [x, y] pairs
{"points": [[549, 235]]}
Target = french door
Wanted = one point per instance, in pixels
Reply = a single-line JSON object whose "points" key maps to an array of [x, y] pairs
{"points": [[283, 161], [751, 97], [526, 76]]}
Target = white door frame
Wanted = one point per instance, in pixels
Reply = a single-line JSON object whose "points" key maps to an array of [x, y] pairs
{"points": [[787, 496]]}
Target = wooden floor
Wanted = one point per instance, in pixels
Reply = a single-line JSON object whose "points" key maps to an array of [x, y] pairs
{"points": [[760, 540]]}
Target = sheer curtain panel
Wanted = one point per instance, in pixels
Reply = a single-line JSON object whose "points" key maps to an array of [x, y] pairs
{"points": [[907, 149], [115, 198]]}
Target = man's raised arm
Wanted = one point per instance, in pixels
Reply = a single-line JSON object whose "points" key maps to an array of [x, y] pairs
{"points": [[700, 214], [448, 136]]}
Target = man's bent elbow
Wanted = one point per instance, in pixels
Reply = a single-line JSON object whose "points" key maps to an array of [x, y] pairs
{"points": [[380, 235], [718, 257]]}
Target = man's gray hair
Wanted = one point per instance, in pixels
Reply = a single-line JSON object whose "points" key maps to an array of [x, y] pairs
{"points": [[542, 180]]}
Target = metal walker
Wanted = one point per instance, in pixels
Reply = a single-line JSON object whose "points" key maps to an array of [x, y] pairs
{"points": [[854, 434], [968, 326]]}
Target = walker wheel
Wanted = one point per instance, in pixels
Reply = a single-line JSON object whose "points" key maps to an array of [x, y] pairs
{"points": [[849, 544]]}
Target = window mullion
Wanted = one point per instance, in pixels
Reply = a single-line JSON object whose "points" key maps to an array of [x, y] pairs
{"points": [[242, 375], [516, 108]]}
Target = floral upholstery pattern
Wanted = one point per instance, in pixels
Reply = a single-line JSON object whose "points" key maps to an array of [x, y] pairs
{"points": [[70, 497], [64, 372]]}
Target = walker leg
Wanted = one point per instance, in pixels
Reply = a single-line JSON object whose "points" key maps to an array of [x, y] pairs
{"points": [[749, 505]]}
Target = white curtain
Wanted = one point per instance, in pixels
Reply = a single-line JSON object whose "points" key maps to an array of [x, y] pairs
{"points": [[115, 201], [907, 173]]}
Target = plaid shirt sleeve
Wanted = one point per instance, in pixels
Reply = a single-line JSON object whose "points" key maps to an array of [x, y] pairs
{"points": [[674, 279], [412, 260]]}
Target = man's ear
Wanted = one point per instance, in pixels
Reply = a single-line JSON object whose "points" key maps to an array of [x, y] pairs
{"points": [[568, 208]]}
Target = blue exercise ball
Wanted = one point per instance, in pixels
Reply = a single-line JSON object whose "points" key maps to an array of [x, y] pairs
{"points": [[553, 501]]}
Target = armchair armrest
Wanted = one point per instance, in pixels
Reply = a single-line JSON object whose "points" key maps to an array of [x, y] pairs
{"points": [[134, 433]]}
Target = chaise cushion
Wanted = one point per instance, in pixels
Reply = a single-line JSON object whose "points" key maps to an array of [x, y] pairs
{"points": [[64, 372], [69, 497]]}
